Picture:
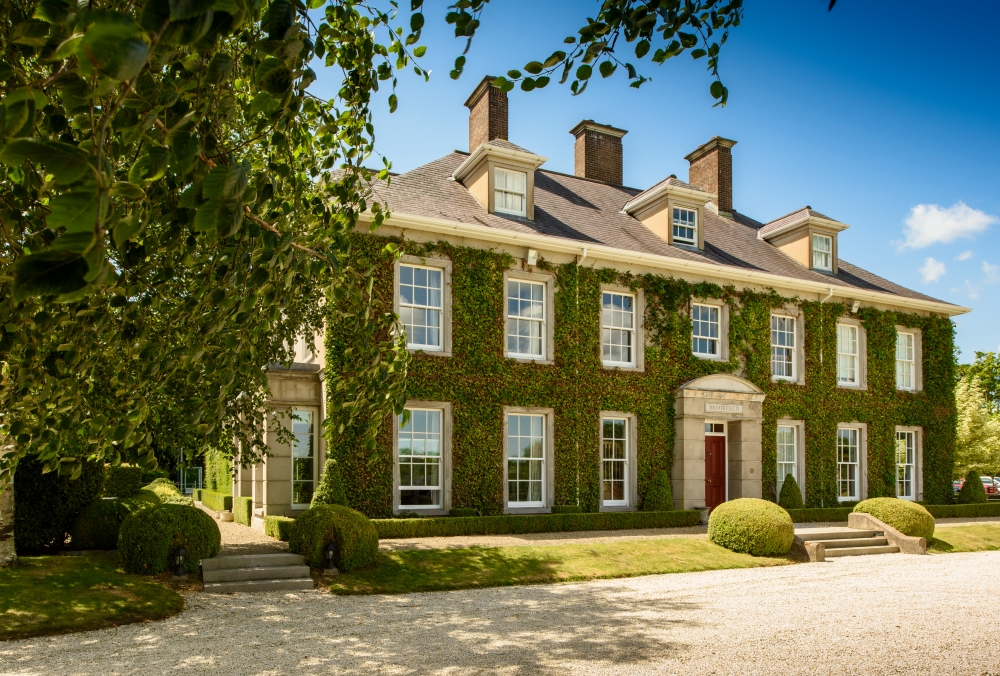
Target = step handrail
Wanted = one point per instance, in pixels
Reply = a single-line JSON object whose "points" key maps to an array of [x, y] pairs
{"points": [[907, 544]]}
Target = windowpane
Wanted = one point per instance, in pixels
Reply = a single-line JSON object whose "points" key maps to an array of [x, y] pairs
{"points": [[614, 461], [705, 330], [510, 192], [617, 329], [420, 305], [303, 457], [847, 463], [847, 354], [685, 222], [525, 318], [905, 361], [822, 248], [525, 460], [787, 461], [906, 443], [782, 346], [419, 451]]}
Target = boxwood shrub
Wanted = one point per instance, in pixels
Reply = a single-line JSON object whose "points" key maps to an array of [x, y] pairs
{"points": [[660, 494], [196, 494], [907, 517], [164, 488], [463, 511], [122, 481], [514, 524], [243, 510], [964, 511], [791, 495], [557, 509], [352, 532], [972, 491], [148, 538], [278, 527], [751, 526], [330, 490], [217, 502], [97, 526]]}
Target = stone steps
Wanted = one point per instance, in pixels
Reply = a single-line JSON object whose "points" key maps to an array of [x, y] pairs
{"points": [[861, 551], [255, 573], [847, 541]]}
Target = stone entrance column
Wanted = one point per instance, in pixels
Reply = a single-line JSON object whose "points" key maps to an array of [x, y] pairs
{"points": [[717, 398]]}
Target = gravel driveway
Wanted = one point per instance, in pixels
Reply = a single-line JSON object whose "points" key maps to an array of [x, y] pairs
{"points": [[862, 615]]}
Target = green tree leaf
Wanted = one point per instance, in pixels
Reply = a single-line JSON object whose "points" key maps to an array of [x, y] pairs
{"points": [[64, 161]]}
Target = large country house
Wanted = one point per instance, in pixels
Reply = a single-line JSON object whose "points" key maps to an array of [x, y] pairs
{"points": [[572, 337]]}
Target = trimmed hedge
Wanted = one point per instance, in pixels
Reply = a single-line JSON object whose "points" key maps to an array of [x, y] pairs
{"points": [[352, 532], [907, 517], [660, 494], [813, 514], [791, 494], [243, 510], [751, 526], [964, 511], [514, 524], [196, 494], [122, 481], [98, 524], [217, 502], [557, 509], [330, 490], [278, 527], [463, 511], [164, 489], [148, 538], [46, 506], [972, 491]]}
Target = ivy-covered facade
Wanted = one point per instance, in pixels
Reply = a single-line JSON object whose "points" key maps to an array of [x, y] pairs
{"points": [[571, 338]]}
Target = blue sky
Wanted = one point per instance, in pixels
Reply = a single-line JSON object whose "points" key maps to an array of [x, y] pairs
{"points": [[879, 116]]}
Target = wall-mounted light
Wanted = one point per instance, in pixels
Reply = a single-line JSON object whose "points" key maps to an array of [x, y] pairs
{"points": [[532, 257]]}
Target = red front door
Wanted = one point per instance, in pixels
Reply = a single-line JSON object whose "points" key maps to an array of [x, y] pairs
{"points": [[715, 471]]}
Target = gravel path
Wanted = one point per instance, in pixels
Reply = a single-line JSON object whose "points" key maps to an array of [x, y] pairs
{"points": [[239, 539], [894, 614]]}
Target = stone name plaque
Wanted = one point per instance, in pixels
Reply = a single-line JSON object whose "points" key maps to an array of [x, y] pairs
{"points": [[723, 408]]}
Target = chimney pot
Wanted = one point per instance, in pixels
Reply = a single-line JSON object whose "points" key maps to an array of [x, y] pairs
{"points": [[598, 151], [711, 169], [487, 113]]}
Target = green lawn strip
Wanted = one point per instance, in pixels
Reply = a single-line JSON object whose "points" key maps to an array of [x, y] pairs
{"points": [[421, 570], [60, 594], [976, 538]]}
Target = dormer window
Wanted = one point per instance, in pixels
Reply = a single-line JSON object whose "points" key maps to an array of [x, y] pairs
{"points": [[685, 222], [822, 253], [511, 192]]}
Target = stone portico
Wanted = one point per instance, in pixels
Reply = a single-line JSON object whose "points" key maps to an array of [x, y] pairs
{"points": [[735, 403]]}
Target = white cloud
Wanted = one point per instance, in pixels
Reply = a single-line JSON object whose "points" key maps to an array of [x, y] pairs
{"points": [[992, 273], [932, 224], [932, 270], [964, 256]]}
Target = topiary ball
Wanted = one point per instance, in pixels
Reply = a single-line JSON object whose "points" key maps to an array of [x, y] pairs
{"points": [[972, 491], [751, 526], [149, 537], [791, 494], [659, 495], [352, 532], [907, 517]]}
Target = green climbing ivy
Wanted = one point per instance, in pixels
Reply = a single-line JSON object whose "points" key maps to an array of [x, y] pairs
{"points": [[479, 381]]}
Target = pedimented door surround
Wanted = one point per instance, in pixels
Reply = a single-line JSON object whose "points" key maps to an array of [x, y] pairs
{"points": [[719, 398]]}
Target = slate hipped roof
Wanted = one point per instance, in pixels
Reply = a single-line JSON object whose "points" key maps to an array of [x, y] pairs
{"points": [[792, 219], [586, 211]]}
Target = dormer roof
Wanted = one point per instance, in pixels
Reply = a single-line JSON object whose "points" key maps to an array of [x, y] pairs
{"points": [[502, 150], [671, 186], [804, 216]]}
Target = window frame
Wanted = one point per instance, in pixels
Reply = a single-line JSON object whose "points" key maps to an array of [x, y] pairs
{"points": [[548, 465], [861, 368], [638, 331], [548, 321], [918, 461], [631, 470], [445, 265], [314, 419], [798, 427], [496, 189], [918, 371], [793, 377], [862, 463], [446, 466], [813, 236], [723, 338], [694, 241]]}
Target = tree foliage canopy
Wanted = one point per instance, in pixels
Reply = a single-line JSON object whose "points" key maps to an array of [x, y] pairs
{"points": [[176, 205], [978, 442]]}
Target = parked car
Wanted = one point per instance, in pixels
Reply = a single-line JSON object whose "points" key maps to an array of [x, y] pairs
{"points": [[989, 485]]}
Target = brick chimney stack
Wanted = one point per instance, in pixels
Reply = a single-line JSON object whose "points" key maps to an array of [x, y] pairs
{"points": [[711, 169], [598, 152], [487, 113]]}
